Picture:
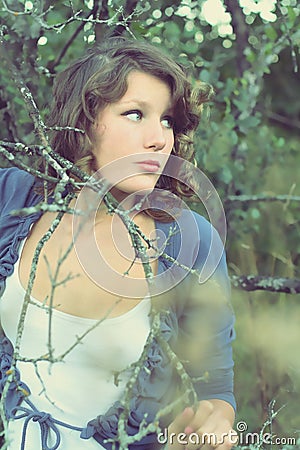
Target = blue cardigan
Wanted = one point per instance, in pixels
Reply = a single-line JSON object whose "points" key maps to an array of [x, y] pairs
{"points": [[180, 321]]}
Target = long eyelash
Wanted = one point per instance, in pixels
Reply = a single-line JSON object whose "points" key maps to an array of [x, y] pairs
{"points": [[132, 111]]}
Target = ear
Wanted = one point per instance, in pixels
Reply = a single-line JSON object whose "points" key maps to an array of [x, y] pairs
{"points": [[94, 134], [97, 129]]}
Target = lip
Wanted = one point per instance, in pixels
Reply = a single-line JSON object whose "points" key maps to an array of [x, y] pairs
{"points": [[149, 165]]}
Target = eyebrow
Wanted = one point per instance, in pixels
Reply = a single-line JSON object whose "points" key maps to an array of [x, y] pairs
{"points": [[142, 103], [136, 100]]}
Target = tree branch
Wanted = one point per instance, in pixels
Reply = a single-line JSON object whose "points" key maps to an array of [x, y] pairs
{"points": [[241, 31], [271, 284], [282, 120], [262, 198], [126, 18], [100, 13], [51, 66]]}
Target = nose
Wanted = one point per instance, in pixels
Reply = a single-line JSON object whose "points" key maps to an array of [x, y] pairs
{"points": [[155, 137]]}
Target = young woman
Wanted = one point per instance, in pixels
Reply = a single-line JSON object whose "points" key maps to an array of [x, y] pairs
{"points": [[97, 360]]}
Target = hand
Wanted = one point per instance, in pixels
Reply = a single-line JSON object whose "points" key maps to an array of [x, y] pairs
{"points": [[206, 428]]}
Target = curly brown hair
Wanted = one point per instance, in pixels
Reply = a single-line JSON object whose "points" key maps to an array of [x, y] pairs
{"points": [[99, 78]]}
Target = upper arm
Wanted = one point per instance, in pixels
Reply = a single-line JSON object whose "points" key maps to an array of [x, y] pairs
{"points": [[14, 188], [206, 322], [15, 193], [206, 332]]}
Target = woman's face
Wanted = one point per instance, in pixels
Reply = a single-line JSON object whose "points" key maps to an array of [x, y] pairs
{"points": [[138, 126]]}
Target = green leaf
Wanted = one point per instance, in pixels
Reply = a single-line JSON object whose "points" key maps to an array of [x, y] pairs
{"points": [[255, 213], [226, 175], [234, 137], [271, 33], [280, 142], [291, 14], [19, 101], [35, 30], [205, 76], [172, 30], [248, 123]]}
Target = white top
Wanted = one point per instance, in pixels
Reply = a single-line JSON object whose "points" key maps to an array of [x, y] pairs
{"points": [[82, 386]]}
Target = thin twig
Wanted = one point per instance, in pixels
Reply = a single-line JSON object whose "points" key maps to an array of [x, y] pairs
{"points": [[261, 198]]}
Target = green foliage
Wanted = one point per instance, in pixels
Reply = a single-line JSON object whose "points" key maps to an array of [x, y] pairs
{"points": [[248, 145]]}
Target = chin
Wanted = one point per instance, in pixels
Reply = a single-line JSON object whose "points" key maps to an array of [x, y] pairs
{"points": [[134, 187], [133, 196]]}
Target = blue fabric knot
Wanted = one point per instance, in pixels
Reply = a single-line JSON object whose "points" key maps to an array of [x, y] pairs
{"points": [[45, 421], [106, 425], [169, 326], [5, 364], [17, 390], [41, 417], [104, 428], [88, 432], [154, 358], [6, 352]]}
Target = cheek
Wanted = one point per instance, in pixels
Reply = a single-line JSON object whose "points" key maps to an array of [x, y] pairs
{"points": [[171, 143]]}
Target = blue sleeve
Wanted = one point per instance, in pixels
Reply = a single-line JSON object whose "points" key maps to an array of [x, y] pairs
{"points": [[206, 322], [15, 185], [15, 193]]}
